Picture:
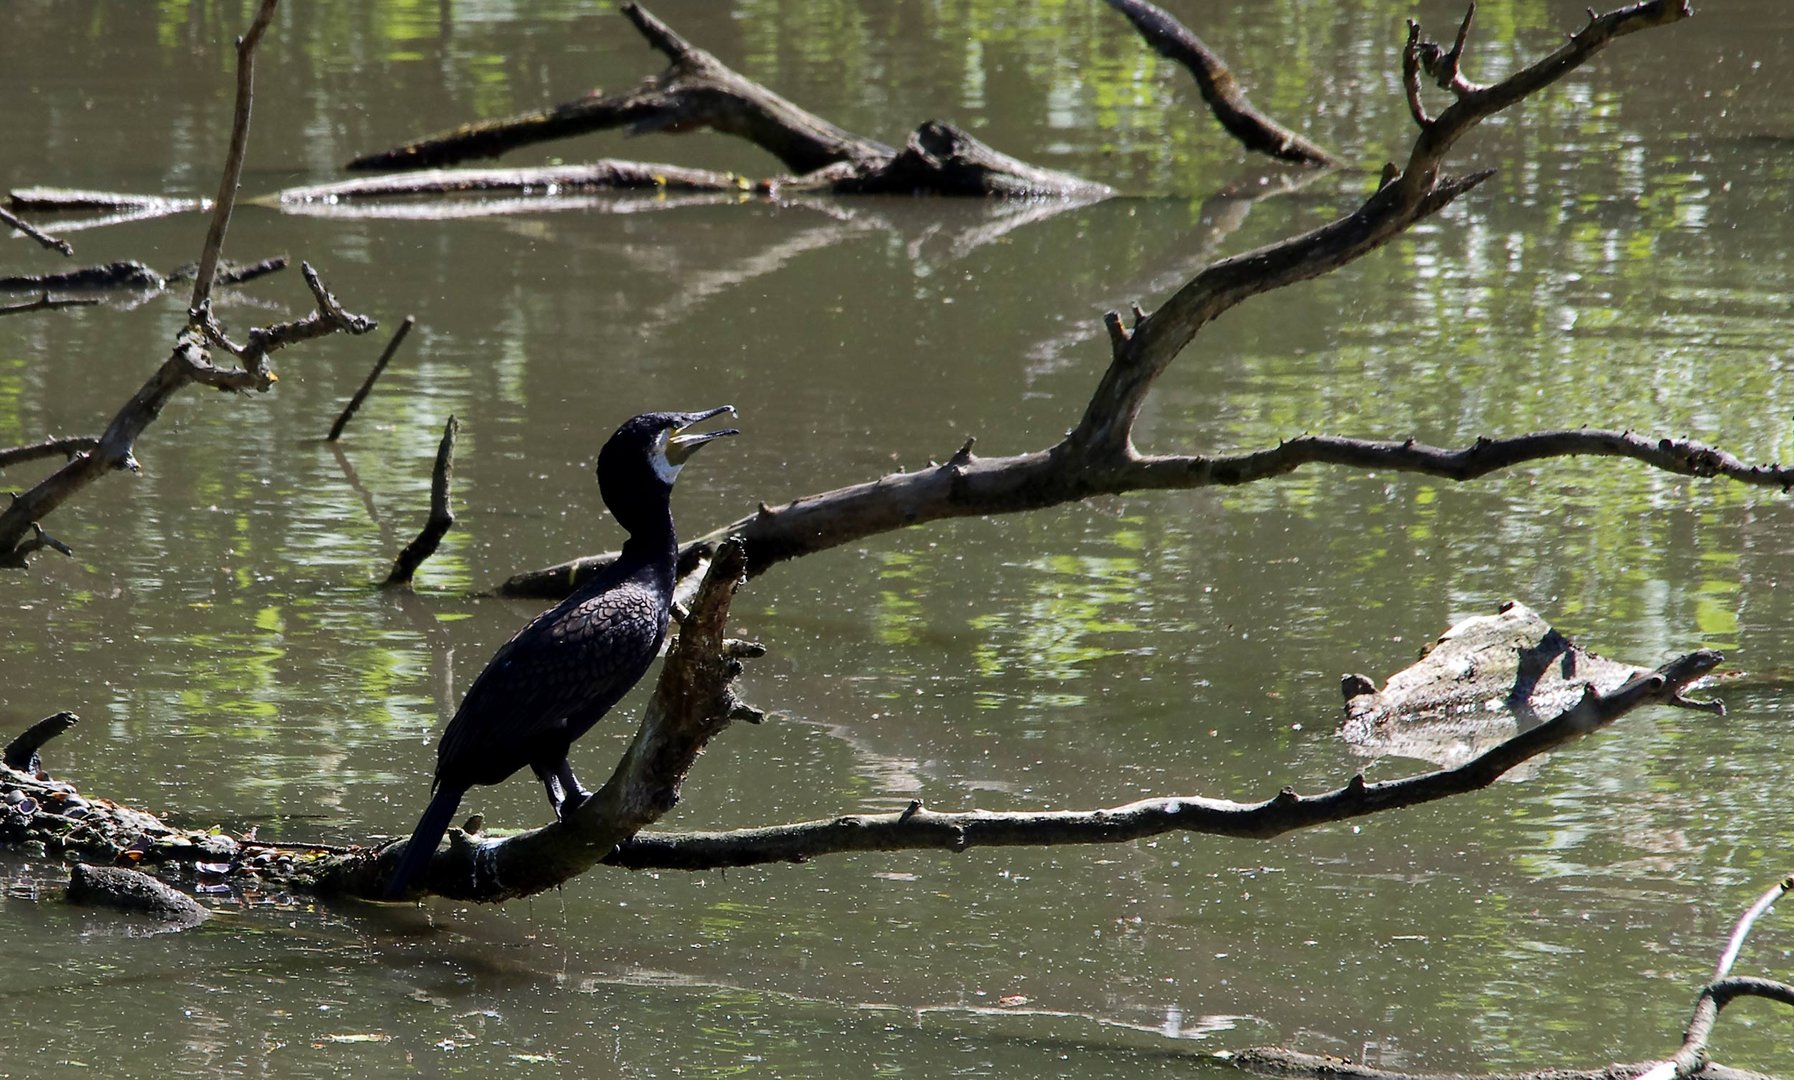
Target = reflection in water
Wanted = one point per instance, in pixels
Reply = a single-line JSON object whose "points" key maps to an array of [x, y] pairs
{"points": [[220, 633]]}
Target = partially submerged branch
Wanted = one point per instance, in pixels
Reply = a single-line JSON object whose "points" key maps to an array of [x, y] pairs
{"points": [[442, 517], [48, 303], [13, 221], [1220, 89], [367, 384], [233, 161]]}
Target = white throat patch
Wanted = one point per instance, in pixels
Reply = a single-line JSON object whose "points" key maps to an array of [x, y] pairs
{"points": [[666, 470]]}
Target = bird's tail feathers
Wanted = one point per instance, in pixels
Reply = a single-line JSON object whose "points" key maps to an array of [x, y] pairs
{"points": [[424, 839]]}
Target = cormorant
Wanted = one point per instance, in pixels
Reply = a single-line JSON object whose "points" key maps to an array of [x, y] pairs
{"points": [[561, 673]]}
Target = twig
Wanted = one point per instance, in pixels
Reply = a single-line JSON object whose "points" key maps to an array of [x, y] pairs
{"points": [[53, 446], [233, 164], [44, 238], [46, 303], [442, 517], [367, 384]]}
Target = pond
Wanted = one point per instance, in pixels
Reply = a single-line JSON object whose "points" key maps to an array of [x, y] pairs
{"points": [[220, 634]]}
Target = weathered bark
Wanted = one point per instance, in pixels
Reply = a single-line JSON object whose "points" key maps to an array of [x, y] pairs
{"points": [[117, 275], [699, 91]]}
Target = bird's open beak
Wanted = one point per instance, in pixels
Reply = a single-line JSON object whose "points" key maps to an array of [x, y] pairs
{"points": [[681, 446]]}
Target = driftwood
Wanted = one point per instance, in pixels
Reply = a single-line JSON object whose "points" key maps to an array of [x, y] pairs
{"points": [[699, 91], [127, 275], [46, 302], [1483, 681]]}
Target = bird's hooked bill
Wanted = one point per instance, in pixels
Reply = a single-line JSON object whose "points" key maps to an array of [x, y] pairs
{"points": [[681, 445]]}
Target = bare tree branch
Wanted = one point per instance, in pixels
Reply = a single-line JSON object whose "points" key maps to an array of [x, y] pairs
{"points": [[233, 162], [1098, 455], [1255, 131], [54, 446], [442, 517], [189, 361], [11, 220]]}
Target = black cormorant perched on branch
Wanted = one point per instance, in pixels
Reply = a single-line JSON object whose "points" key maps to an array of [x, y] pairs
{"points": [[560, 674]]}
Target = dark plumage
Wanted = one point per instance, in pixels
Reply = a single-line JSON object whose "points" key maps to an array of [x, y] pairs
{"points": [[560, 674]]}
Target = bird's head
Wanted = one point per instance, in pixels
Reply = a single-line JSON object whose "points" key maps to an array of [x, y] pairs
{"points": [[639, 463]]}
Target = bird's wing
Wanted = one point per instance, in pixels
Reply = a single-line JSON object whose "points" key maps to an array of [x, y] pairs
{"points": [[578, 658]]}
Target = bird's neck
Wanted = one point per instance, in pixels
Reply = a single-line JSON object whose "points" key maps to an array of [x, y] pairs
{"points": [[652, 544]]}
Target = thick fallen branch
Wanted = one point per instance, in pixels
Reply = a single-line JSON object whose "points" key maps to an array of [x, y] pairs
{"points": [[1285, 812], [696, 90], [699, 91], [116, 275], [694, 700], [1255, 131]]}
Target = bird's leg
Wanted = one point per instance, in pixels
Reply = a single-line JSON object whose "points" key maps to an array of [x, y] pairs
{"points": [[575, 795], [551, 782]]}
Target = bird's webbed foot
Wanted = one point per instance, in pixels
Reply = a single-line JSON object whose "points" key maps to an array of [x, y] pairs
{"points": [[564, 793]]}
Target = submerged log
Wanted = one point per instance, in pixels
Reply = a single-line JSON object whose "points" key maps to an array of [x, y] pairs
{"points": [[699, 91], [63, 199], [1483, 681], [135, 892], [605, 175], [125, 274]]}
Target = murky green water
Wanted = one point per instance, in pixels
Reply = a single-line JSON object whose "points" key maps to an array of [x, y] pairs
{"points": [[219, 636]]}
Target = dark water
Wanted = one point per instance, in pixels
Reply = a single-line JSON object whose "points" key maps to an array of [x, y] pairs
{"points": [[1628, 267]]}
